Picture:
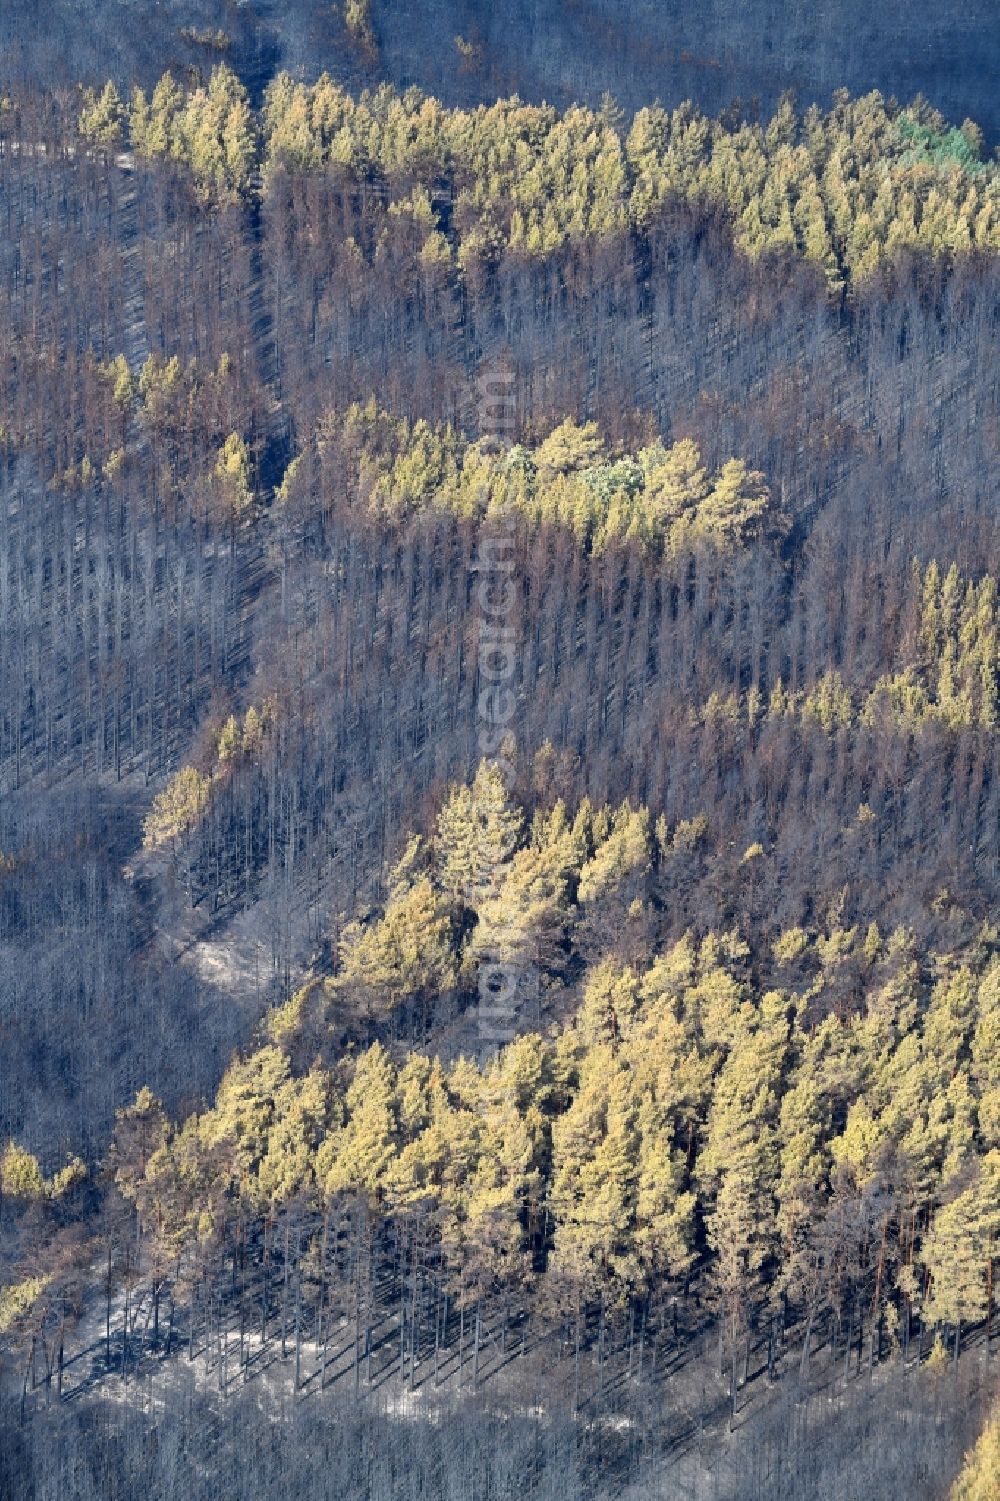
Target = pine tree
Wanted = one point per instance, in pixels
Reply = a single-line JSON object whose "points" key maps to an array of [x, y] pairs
{"points": [[478, 831], [232, 474], [177, 808], [406, 955], [102, 116], [367, 1144], [958, 1245], [595, 1149], [569, 447], [20, 1173]]}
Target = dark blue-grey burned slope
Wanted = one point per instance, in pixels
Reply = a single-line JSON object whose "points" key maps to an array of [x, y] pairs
{"points": [[711, 51], [707, 50]]}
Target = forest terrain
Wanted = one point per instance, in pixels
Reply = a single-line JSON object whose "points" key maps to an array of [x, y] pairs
{"points": [[499, 798]]}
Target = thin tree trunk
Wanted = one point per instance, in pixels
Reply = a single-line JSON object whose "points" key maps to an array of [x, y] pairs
{"points": [[107, 1315], [284, 1298], [475, 1359], [298, 1308], [600, 1347], [265, 1268], [414, 1321], [321, 1317], [60, 1358], [989, 1295], [437, 1335], [806, 1341]]}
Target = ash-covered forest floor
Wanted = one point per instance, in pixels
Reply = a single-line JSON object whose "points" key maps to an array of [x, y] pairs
{"points": [[669, 1433]]}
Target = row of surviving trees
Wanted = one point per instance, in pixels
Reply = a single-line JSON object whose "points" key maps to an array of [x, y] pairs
{"points": [[662, 498], [846, 190], [808, 1139], [662, 501]]}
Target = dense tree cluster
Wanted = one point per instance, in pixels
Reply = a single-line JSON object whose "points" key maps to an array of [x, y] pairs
{"points": [[847, 190], [809, 1137], [952, 662], [662, 498], [209, 130]]}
